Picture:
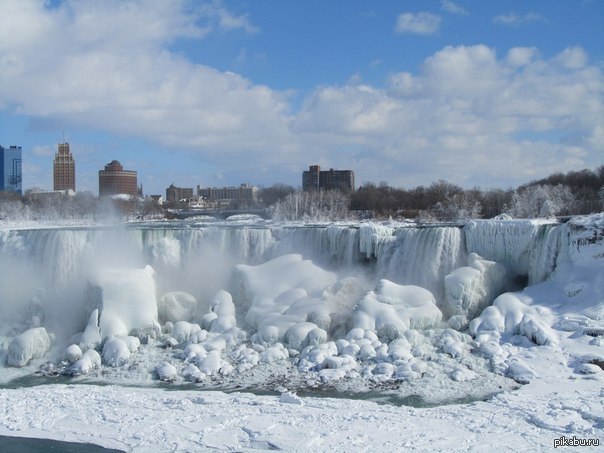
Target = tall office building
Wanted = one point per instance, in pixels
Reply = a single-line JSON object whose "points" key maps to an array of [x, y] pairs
{"points": [[175, 194], [64, 169], [114, 180], [10, 169], [314, 179]]}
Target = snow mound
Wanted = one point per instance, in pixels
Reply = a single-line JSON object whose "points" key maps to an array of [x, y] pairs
{"points": [[31, 344], [393, 309]]}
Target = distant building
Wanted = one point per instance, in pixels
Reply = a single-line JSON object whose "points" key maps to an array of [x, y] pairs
{"points": [[244, 194], [64, 169], [11, 178], [175, 194], [114, 180], [314, 179]]}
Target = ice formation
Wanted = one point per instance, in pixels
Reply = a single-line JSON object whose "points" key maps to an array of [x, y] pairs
{"points": [[127, 300]]}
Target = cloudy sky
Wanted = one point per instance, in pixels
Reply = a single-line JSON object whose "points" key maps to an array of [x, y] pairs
{"points": [[487, 93]]}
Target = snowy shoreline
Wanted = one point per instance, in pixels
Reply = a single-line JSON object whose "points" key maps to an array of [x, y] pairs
{"points": [[138, 419]]}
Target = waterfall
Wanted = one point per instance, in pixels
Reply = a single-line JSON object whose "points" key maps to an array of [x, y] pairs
{"points": [[55, 265], [528, 248], [422, 257]]}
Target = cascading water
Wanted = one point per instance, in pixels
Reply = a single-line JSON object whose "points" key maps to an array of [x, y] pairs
{"points": [[199, 259], [526, 248]]}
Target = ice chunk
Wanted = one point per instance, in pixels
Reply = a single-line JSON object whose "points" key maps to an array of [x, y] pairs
{"points": [[31, 344], [274, 353], [211, 363], [520, 371], [511, 314], [291, 398], [296, 335], [177, 306]]}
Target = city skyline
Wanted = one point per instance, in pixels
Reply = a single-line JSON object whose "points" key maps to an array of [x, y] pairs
{"points": [[493, 94]]}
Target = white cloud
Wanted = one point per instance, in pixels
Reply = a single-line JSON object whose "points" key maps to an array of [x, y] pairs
{"points": [[106, 65], [469, 116], [452, 7], [422, 23], [226, 20], [466, 116], [513, 19]]}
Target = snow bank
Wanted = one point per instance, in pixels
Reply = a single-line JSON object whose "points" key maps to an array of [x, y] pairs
{"points": [[392, 309], [31, 344]]}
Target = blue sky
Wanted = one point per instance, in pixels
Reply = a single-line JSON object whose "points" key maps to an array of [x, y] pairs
{"points": [[488, 93]]}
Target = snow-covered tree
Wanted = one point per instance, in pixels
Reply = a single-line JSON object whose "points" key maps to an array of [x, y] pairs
{"points": [[542, 201], [316, 205]]}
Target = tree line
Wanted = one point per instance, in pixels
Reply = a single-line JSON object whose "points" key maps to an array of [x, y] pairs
{"points": [[572, 193], [560, 194]]}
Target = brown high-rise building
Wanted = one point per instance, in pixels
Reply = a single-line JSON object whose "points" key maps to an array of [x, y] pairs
{"points": [[114, 180], [64, 169], [315, 178]]}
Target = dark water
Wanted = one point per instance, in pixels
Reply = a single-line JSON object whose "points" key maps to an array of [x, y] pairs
{"points": [[385, 396], [28, 445]]}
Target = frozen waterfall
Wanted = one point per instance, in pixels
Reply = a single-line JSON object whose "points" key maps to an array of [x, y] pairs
{"points": [[45, 273]]}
